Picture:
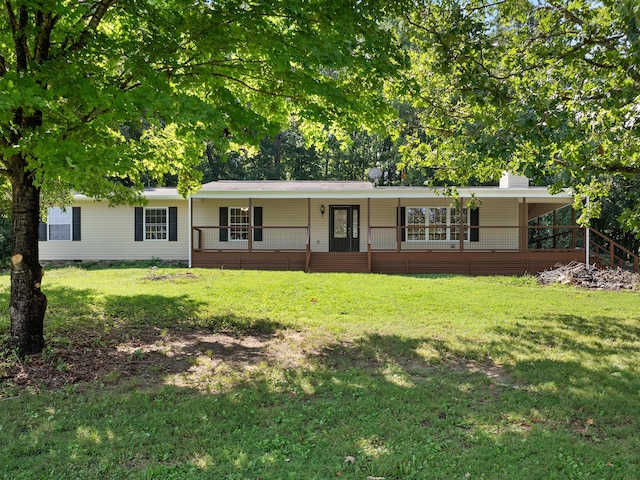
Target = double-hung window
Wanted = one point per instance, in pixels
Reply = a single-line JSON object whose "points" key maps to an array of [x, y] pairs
{"points": [[436, 223], [59, 224], [156, 224], [239, 223]]}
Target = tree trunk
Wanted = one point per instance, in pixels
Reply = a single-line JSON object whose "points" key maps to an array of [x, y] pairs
{"points": [[28, 303]]}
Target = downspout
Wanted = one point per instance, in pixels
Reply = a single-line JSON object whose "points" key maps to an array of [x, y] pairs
{"points": [[189, 201]]}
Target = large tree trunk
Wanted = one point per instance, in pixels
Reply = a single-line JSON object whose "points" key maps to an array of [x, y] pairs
{"points": [[28, 303]]}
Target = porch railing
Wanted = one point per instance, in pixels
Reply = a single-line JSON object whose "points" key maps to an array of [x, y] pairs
{"points": [[605, 252], [251, 239], [394, 238], [485, 238], [532, 238]]}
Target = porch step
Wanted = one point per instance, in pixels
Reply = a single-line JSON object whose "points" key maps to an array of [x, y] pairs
{"points": [[353, 262]]}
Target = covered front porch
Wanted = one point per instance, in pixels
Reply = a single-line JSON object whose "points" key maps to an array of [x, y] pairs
{"points": [[359, 228]]}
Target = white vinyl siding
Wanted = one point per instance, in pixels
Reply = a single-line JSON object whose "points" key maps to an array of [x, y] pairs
{"points": [[108, 234]]}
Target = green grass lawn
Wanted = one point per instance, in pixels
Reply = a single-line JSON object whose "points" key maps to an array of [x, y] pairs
{"points": [[176, 373]]}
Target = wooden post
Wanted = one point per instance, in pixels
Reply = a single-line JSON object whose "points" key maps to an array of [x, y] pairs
{"points": [[555, 230], [461, 227], [399, 227], [524, 225], [573, 227], [250, 226], [612, 258]]}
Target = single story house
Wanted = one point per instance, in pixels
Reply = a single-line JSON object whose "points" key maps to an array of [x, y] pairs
{"points": [[324, 226]]}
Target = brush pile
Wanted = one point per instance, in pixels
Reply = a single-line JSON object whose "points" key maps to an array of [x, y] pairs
{"points": [[580, 275]]}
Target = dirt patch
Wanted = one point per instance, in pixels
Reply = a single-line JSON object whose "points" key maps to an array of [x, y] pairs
{"points": [[169, 276], [153, 356]]}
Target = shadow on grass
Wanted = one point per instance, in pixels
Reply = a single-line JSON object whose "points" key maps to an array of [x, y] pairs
{"points": [[95, 338], [366, 408], [539, 400]]}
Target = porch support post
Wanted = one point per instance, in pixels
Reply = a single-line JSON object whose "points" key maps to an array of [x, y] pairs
{"points": [[555, 230], [399, 226], [524, 221], [369, 235], [587, 241], [250, 226], [573, 228], [461, 227]]}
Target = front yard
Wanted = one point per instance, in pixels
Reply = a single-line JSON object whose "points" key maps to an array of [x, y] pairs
{"points": [[176, 373]]}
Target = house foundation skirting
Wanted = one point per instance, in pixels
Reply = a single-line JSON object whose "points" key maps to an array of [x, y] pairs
{"points": [[466, 263]]}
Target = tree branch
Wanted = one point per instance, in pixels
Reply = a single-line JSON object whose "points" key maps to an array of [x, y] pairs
{"points": [[482, 7], [99, 11], [18, 26], [45, 23]]}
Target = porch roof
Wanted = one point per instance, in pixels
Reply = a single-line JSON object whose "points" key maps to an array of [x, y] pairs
{"points": [[361, 190]]}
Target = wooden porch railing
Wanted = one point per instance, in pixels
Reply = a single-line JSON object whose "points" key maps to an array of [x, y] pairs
{"points": [[606, 252], [532, 238], [244, 239]]}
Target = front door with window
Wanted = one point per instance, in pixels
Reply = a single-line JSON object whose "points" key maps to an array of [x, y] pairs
{"points": [[344, 228]]}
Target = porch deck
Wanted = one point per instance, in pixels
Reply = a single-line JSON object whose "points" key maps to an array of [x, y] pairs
{"points": [[469, 263]]}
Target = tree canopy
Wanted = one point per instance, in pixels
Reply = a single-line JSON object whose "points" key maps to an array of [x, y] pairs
{"points": [[75, 74], [94, 93], [547, 88]]}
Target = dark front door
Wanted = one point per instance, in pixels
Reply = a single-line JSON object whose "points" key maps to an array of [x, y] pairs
{"points": [[344, 228]]}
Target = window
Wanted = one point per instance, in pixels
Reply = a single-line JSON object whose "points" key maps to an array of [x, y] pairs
{"points": [[435, 223], [239, 223], [455, 223], [416, 221], [60, 221], [64, 225], [438, 223], [155, 224]]}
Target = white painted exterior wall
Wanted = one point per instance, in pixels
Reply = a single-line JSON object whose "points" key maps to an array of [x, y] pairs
{"points": [[493, 212], [107, 233]]}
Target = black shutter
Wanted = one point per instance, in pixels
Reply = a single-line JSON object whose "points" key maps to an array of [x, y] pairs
{"points": [[173, 224], [474, 221], [257, 222], [403, 222], [75, 221], [42, 231], [139, 224], [224, 222]]}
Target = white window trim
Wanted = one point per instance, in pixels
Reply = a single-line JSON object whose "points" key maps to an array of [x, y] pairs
{"points": [[239, 227], [67, 212], [426, 225], [144, 225]]}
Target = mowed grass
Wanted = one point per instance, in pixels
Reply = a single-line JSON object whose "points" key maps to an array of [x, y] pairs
{"points": [[394, 377]]}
